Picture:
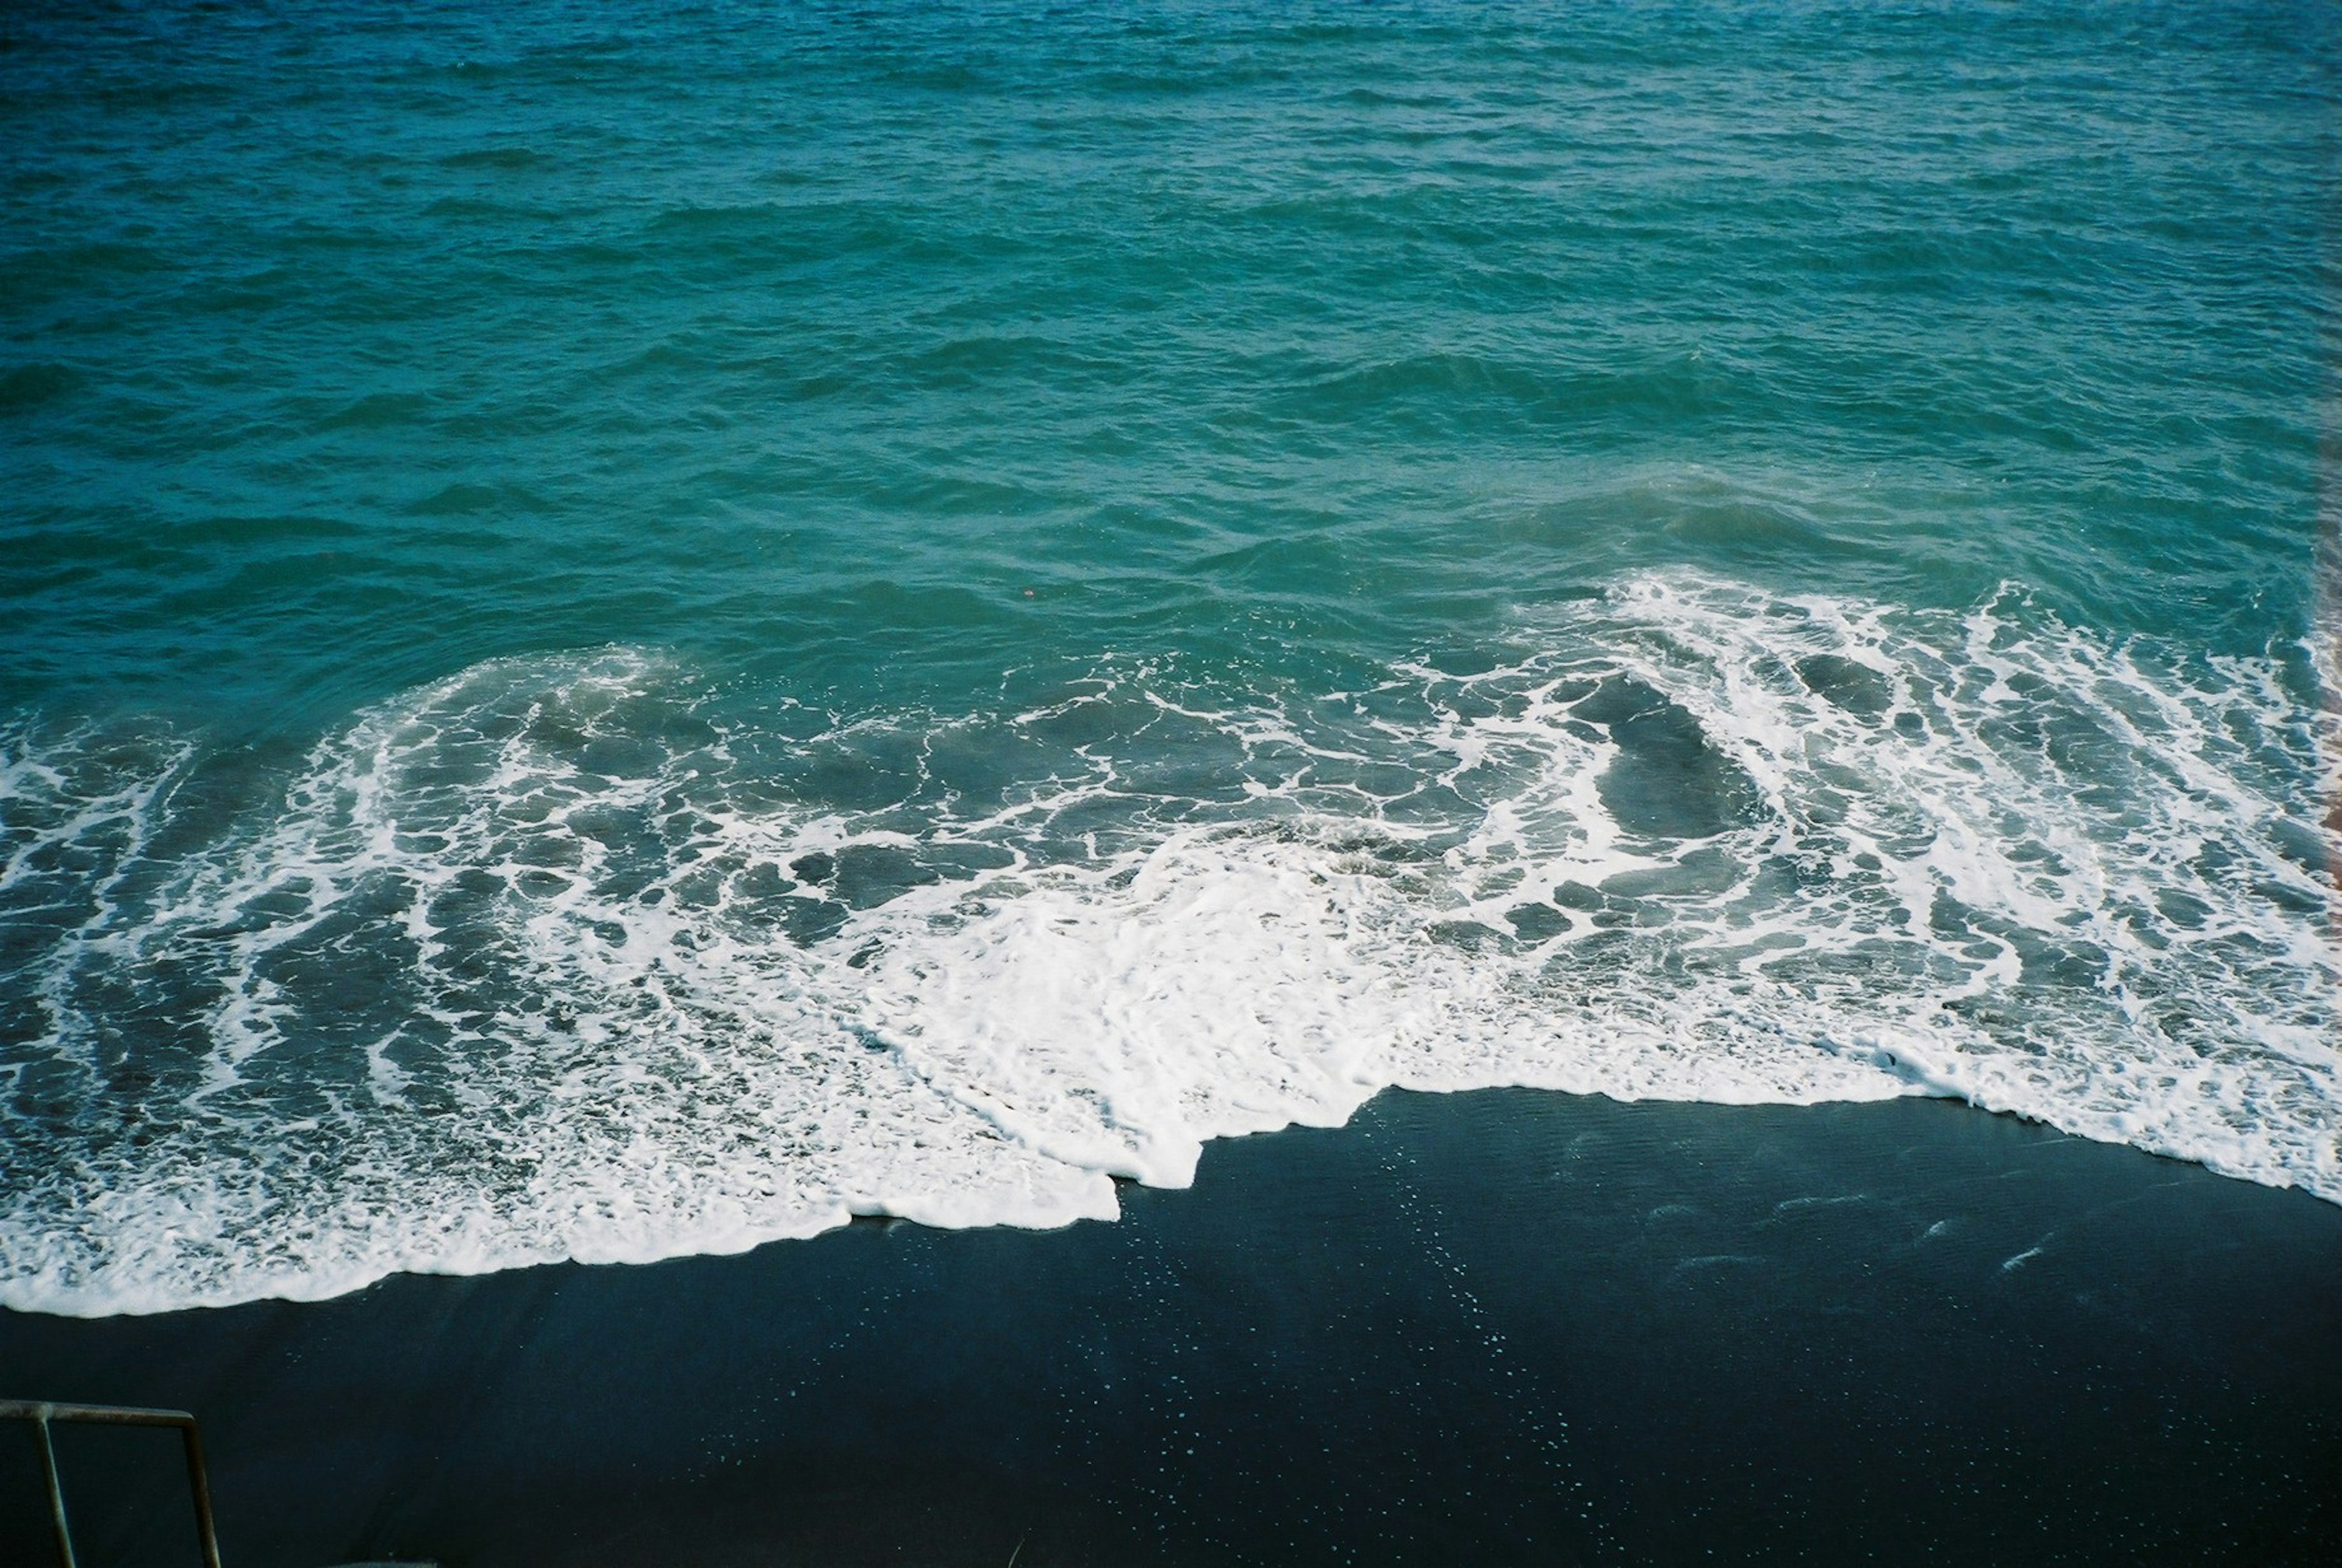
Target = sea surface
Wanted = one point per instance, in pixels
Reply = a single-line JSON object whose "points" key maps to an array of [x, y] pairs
{"points": [[629, 630]]}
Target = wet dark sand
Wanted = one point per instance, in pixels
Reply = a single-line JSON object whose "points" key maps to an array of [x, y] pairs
{"points": [[1506, 1327]]}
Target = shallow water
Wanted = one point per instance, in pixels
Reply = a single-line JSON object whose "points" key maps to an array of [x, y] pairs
{"points": [[626, 633]]}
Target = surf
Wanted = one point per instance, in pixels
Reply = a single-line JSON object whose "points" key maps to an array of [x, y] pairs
{"points": [[598, 956]]}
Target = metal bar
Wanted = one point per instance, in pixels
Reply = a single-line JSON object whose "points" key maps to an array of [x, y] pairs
{"points": [[57, 1492], [102, 1414], [200, 1485], [40, 1413]]}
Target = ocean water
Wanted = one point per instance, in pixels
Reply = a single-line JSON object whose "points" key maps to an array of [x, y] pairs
{"points": [[629, 630]]}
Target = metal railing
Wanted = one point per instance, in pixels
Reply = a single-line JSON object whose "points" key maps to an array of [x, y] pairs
{"points": [[40, 1413]]}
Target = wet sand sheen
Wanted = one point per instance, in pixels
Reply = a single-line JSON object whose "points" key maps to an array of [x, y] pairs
{"points": [[1504, 1326]]}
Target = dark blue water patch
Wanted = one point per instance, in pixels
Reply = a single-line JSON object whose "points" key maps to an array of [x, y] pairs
{"points": [[1668, 781], [26, 387]]}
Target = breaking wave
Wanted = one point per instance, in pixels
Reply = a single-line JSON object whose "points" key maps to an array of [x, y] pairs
{"points": [[587, 957]]}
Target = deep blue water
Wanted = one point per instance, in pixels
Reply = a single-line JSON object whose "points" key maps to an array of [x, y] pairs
{"points": [[626, 630]]}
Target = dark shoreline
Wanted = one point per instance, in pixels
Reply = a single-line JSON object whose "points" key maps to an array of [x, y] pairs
{"points": [[1507, 1326]]}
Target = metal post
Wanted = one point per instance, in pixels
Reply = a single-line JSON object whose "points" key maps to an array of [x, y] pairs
{"points": [[57, 1492], [200, 1485]]}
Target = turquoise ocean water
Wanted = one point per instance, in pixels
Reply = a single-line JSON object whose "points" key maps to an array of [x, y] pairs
{"points": [[626, 630]]}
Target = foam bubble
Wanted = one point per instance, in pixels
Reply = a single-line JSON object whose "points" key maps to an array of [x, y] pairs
{"points": [[574, 958]]}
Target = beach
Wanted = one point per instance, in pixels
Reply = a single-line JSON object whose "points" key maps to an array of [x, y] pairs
{"points": [[1502, 1327]]}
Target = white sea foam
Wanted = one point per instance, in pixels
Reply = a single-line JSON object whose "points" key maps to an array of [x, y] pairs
{"points": [[566, 958]]}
